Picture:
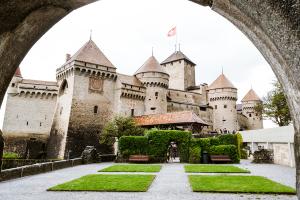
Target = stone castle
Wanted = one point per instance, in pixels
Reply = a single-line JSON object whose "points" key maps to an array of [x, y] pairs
{"points": [[63, 117]]}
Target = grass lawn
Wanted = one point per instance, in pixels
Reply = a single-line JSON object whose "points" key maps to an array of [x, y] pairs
{"points": [[237, 184], [201, 168], [108, 183], [132, 168]]}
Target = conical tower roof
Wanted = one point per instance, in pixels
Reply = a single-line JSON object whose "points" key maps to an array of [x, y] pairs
{"points": [[221, 82], [151, 65], [177, 55], [251, 96], [90, 53], [18, 72]]}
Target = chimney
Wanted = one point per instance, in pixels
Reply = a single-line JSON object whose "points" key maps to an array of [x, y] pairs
{"points": [[68, 56]]}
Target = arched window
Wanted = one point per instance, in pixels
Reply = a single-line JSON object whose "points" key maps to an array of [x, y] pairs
{"points": [[156, 94], [95, 109]]}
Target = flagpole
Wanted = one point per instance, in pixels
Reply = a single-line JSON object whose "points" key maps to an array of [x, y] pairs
{"points": [[176, 38]]}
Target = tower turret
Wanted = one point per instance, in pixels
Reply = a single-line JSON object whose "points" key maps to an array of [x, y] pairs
{"points": [[254, 118], [181, 70], [17, 78], [222, 96], [156, 80]]}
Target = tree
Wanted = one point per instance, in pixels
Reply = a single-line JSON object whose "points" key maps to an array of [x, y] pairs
{"points": [[275, 106], [118, 127]]}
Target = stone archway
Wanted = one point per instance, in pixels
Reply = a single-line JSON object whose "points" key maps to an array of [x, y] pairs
{"points": [[272, 25]]}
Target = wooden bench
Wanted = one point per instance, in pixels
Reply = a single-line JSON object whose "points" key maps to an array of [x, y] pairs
{"points": [[220, 158], [138, 158]]}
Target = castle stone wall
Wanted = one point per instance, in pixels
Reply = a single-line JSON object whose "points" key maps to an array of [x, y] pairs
{"points": [[254, 118], [176, 73], [58, 134], [223, 102], [189, 75], [85, 124]]}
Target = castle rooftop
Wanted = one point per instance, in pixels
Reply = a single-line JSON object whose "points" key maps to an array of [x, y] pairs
{"points": [[221, 82], [177, 55], [151, 65], [251, 96], [181, 117], [130, 80], [91, 53], [18, 72]]}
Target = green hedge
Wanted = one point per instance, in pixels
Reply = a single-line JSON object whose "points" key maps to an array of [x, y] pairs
{"points": [[230, 150], [203, 143], [159, 140], [132, 145], [195, 154], [10, 155]]}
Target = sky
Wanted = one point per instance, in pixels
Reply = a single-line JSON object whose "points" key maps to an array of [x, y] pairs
{"points": [[127, 30]]}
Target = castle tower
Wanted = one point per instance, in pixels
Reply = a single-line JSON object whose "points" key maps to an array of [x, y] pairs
{"points": [[181, 70], [156, 80], [85, 102], [254, 118], [222, 96], [13, 86]]}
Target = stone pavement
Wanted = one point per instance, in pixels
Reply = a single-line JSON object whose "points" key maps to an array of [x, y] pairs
{"points": [[171, 183]]}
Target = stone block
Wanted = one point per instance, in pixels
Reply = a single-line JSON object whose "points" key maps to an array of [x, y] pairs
{"points": [[11, 174], [62, 164]]}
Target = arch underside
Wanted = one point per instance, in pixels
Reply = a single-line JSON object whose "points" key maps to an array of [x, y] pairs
{"points": [[272, 25]]}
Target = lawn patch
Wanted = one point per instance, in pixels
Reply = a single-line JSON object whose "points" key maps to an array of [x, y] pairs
{"points": [[214, 169], [237, 184], [132, 168], [108, 183]]}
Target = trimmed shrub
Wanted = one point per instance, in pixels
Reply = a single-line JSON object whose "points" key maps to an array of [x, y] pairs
{"points": [[227, 139], [239, 143], [204, 143], [230, 150], [159, 141], [263, 156], [132, 145], [195, 154], [244, 154], [214, 141], [10, 155]]}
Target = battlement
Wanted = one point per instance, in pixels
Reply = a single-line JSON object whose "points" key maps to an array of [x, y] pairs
{"points": [[85, 69]]}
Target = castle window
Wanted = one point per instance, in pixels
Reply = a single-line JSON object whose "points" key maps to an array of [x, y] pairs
{"points": [[179, 61], [185, 95], [156, 94], [27, 123], [250, 115], [153, 108], [216, 106], [171, 63], [256, 114], [40, 123], [225, 106], [95, 109], [132, 112], [61, 110], [202, 108], [13, 85]]}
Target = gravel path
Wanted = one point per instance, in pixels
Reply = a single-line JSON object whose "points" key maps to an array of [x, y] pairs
{"points": [[171, 183]]}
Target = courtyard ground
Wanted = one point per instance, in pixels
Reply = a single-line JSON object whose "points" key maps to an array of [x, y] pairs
{"points": [[171, 183]]}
